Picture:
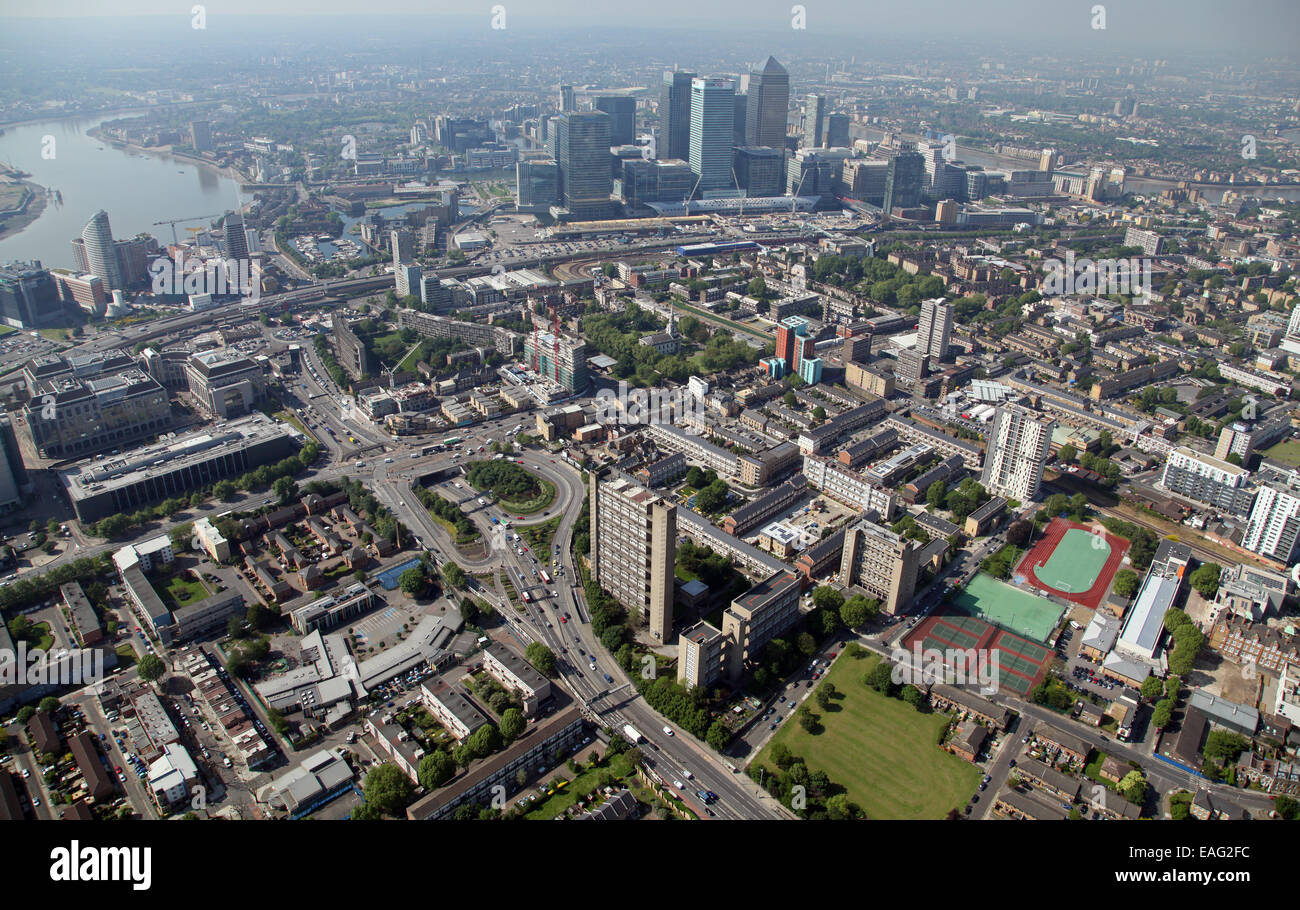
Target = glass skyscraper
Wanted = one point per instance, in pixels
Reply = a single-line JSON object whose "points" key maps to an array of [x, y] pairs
{"points": [[712, 114], [769, 106], [582, 153], [675, 116], [622, 112]]}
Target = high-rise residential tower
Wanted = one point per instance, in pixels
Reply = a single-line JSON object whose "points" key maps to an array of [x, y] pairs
{"points": [[935, 329], [814, 120], [769, 105], [633, 549], [1019, 442], [236, 239], [101, 254]]}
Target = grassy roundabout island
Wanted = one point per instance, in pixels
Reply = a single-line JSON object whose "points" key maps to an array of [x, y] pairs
{"points": [[516, 489]]}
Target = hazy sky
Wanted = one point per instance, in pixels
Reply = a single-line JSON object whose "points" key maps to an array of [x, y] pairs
{"points": [[1061, 25]]}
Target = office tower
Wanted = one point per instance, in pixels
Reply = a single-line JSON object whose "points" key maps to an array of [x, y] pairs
{"points": [[712, 114], [741, 108], [11, 457], [567, 100], [1293, 326], [769, 106], [643, 181], [675, 116], [101, 254], [1207, 479], [814, 121], [903, 179], [201, 135], [537, 184], [236, 239], [864, 179], [935, 329], [837, 131], [622, 117], [403, 246], [582, 153], [759, 171], [29, 296], [1018, 445], [815, 172], [1274, 526], [633, 549], [881, 563]]}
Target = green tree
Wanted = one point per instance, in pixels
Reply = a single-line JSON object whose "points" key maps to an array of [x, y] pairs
{"points": [[1206, 579], [453, 575], [1133, 786], [48, 705], [436, 768], [806, 644], [1067, 454], [414, 581], [541, 657], [512, 724], [827, 598], [881, 678], [484, 741], [719, 737], [1126, 583], [151, 667], [25, 713], [387, 788], [1152, 686], [856, 611]]}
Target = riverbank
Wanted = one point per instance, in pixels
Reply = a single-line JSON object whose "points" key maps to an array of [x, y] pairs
{"points": [[167, 151], [36, 203]]}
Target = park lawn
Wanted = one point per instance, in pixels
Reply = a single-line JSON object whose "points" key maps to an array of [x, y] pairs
{"points": [[183, 591], [6, 330], [881, 750], [1287, 451]]}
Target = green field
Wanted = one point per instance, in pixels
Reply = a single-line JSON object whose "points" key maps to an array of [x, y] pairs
{"points": [[1009, 607], [1287, 452], [881, 750]]}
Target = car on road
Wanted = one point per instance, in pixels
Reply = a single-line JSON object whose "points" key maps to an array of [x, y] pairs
{"points": [[679, 785], [668, 730]]}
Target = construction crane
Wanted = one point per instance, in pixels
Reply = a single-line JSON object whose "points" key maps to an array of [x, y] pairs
{"points": [[175, 221]]}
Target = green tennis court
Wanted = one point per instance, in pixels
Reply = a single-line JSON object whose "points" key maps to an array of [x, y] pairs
{"points": [[1026, 614], [1076, 562]]}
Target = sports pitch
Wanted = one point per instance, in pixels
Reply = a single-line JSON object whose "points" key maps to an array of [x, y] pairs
{"points": [[1073, 562], [1076, 562], [1003, 605]]}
